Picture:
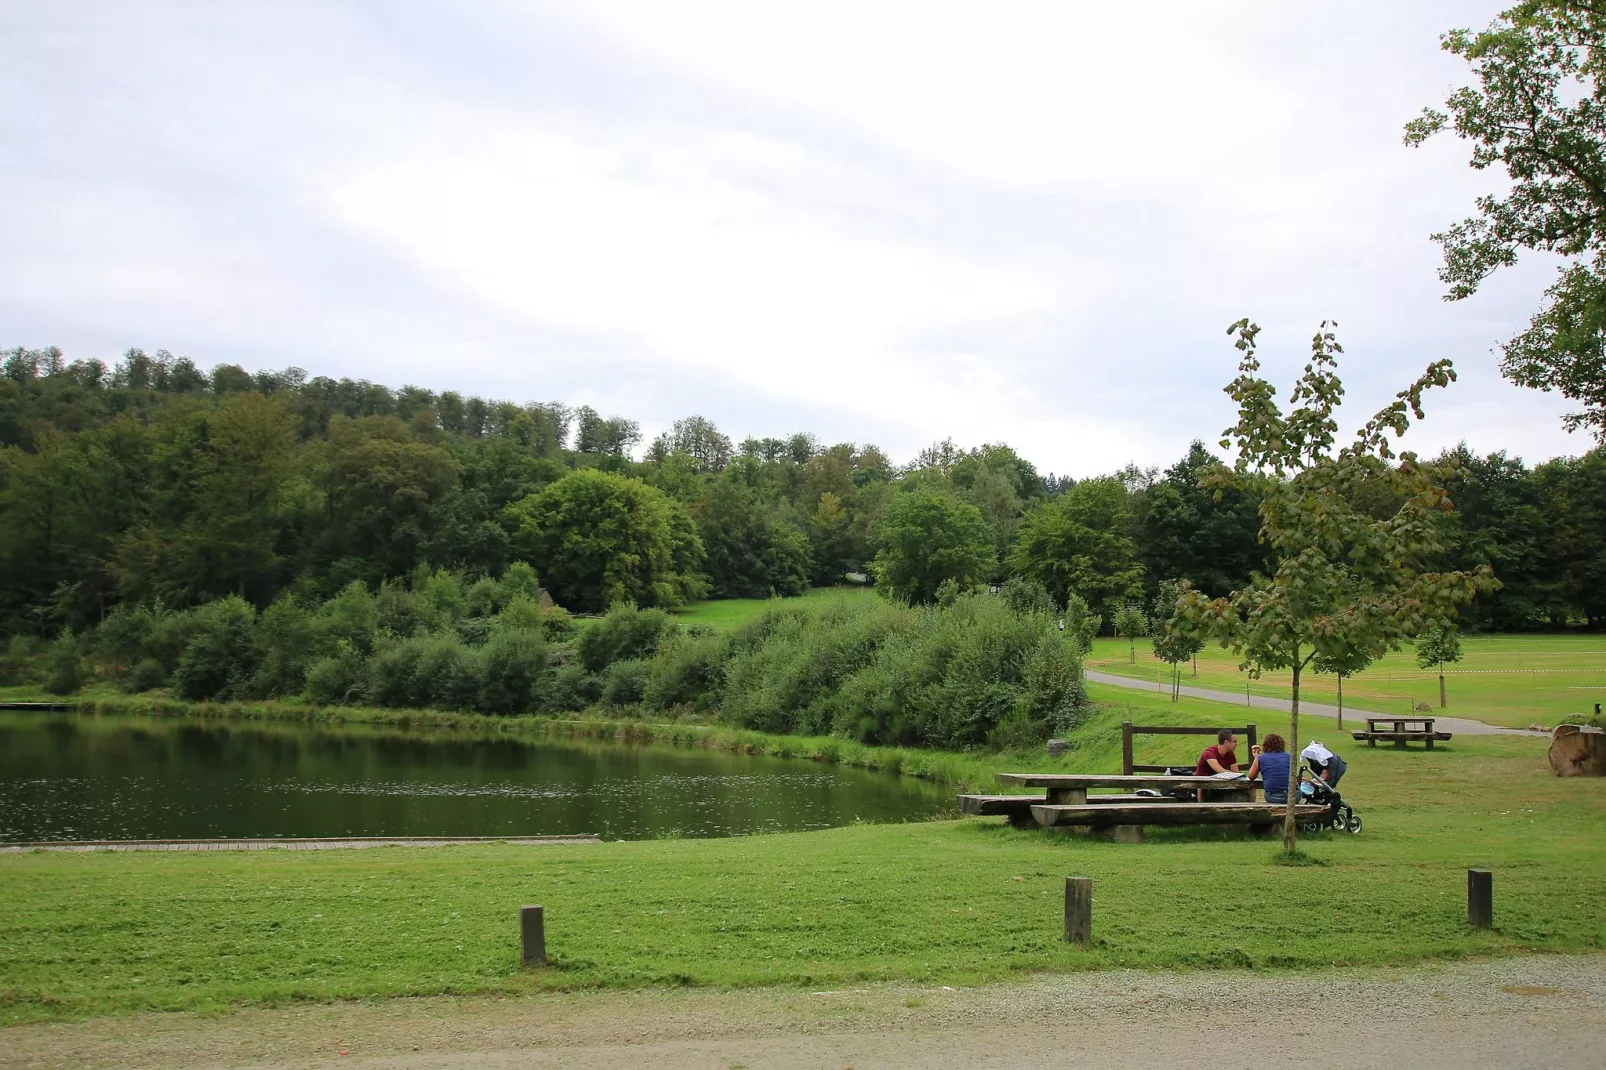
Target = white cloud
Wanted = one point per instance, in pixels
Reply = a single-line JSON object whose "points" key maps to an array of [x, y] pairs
{"points": [[894, 222]]}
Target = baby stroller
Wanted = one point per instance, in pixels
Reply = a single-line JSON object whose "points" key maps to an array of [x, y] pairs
{"points": [[1342, 818]]}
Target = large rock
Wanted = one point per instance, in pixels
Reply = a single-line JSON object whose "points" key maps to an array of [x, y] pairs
{"points": [[1578, 750], [1057, 747]]}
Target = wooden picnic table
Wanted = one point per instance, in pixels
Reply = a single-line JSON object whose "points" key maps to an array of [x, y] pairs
{"points": [[1071, 799], [1073, 787], [1400, 730]]}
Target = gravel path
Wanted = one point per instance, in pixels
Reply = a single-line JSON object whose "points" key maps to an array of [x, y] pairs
{"points": [[1318, 709], [1529, 1011]]}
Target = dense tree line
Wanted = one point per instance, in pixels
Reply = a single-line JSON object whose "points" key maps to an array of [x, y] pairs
{"points": [[157, 483]]}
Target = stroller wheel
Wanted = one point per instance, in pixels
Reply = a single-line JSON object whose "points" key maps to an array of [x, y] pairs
{"points": [[1339, 823], [1354, 824]]}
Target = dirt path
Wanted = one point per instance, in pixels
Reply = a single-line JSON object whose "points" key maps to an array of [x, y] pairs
{"points": [[1533, 1011], [1318, 709]]}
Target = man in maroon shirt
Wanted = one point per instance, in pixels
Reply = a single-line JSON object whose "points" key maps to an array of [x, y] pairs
{"points": [[1221, 758]]}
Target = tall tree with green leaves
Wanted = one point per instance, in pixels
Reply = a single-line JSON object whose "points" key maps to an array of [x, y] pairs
{"points": [[1436, 645], [601, 538], [1537, 110], [924, 537], [1353, 528]]}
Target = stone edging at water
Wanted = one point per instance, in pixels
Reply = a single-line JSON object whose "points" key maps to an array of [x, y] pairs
{"points": [[288, 843]]}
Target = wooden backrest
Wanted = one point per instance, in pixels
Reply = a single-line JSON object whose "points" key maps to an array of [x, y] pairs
{"points": [[1128, 730]]}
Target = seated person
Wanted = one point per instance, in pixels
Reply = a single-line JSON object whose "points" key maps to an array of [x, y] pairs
{"points": [[1274, 765], [1220, 758]]}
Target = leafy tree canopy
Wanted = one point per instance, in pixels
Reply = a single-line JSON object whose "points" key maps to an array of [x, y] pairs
{"points": [[1537, 110], [603, 538]]}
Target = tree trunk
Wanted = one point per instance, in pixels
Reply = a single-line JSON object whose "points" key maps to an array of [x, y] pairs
{"points": [[1134, 652], [1290, 826], [1441, 691], [1341, 701], [1578, 751], [1196, 665]]}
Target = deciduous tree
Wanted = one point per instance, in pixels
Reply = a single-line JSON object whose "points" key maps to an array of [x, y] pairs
{"points": [[1351, 572]]}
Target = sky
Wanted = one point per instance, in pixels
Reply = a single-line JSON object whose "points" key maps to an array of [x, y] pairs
{"points": [[886, 223]]}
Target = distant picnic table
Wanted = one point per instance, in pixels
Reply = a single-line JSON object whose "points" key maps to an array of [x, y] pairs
{"points": [[1400, 731]]}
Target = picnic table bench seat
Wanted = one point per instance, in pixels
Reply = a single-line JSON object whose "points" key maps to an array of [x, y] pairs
{"points": [[1172, 813], [1021, 805]]}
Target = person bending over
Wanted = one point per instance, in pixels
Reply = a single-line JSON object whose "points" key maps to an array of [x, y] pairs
{"points": [[1274, 765]]}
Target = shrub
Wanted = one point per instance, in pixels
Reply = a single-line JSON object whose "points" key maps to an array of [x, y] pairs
{"points": [[570, 689], [147, 676], [1023, 595], [287, 635], [426, 670], [624, 682], [512, 667], [626, 632], [339, 680], [66, 665], [690, 672], [951, 677], [221, 655], [350, 617]]}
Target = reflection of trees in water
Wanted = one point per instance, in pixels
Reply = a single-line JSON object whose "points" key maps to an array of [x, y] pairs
{"points": [[90, 778]]}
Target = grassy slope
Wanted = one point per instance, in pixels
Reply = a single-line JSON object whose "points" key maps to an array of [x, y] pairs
{"points": [[727, 613], [1513, 680], [943, 901]]}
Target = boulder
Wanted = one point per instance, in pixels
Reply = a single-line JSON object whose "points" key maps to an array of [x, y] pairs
{"points": [[1057, 747]]}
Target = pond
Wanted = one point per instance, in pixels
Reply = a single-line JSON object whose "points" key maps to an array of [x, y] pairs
{"points": [[84, 777]]}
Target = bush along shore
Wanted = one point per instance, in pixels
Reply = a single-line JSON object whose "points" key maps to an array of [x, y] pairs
{"points": [[973, 670]]}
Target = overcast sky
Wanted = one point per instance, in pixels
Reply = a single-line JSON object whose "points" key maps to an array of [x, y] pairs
{"points": [[889, 223]]}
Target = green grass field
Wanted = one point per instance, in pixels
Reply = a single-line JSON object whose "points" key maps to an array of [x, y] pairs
{"points": [[1513, 680], [727, 613], [945, 902]]}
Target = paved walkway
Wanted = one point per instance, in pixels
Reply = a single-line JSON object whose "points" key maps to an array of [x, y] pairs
{"points": [[1318, 709], [286, 844]]}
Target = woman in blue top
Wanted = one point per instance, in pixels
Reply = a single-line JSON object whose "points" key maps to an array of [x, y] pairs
{"points": [[1272, 764]]}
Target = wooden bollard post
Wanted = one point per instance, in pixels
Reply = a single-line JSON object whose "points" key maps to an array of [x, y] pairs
{"points": [[1079, 911], [533, 929], [1480, 899]]}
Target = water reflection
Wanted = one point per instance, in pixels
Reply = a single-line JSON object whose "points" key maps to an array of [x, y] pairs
{"points": [[66, 776]]}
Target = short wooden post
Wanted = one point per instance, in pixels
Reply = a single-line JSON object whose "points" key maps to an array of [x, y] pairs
{"points": [[1480, 899], [533, 929], [1079, 911], [1126, 748]]}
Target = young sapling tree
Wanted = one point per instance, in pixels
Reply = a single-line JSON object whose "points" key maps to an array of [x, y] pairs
{"points": [[1131, 625], [1171, 644], [1353, 529], [1438, 644]]}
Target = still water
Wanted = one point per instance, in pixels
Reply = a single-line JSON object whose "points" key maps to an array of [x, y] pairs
{"points": [[83, 777]]}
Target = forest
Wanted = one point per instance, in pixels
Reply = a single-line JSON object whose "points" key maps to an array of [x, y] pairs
{"points": [[244, 535]]}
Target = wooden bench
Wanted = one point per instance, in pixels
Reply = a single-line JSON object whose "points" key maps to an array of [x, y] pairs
{"points": [[1401, 730], [1018, 808], [1173, 813]]}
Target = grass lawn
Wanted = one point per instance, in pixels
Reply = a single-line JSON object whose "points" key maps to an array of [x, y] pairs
{"points": [[1513, 680], [727, 613], [942, 902]]}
